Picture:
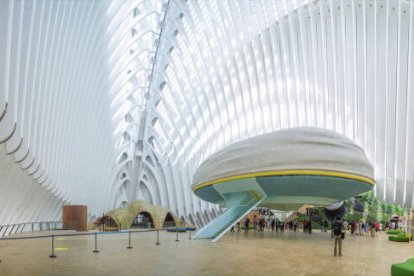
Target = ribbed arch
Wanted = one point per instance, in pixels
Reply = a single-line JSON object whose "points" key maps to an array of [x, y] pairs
{"points": [[165, 84], [228, 74]]}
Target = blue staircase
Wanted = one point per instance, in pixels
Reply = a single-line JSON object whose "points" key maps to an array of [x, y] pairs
{"points": [[238, 206]]}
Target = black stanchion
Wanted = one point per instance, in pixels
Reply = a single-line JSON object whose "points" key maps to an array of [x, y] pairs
{"points": [[189, 234], [176, 235], [129, 240], [158, 238], [96, 244], [53, 248]]}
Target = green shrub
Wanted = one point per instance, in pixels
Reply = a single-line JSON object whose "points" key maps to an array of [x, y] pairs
{"points": [[405, 235], [402, 269], [399, 238]]}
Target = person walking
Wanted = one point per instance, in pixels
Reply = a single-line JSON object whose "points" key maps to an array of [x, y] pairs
{"points": [[338, 233]]}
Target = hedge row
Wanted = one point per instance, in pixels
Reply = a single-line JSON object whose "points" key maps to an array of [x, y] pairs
{"points": [[400, 238]]}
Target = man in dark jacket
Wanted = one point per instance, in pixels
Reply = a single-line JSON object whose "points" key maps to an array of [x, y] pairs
{"points": [[337, 231]]}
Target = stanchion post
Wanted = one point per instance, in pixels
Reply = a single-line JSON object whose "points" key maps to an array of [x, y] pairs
{"points": [[96, 243], [129, 240], [53, 248], [189, 234], [158, 238], [176, 235]]}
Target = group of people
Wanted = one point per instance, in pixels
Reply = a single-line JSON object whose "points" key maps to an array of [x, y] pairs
{"points": [[357, 228], [262, 224], [393, 225], [283, 226], [372, 227], [339, 228], [361, 228]]}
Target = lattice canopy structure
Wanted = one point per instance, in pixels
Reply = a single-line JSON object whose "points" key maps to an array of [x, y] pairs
{"points": [[106, 102]]}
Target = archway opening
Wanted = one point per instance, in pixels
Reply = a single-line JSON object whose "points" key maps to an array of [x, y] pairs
{"points": [[107, 224], [143, 221], [169, 221]]}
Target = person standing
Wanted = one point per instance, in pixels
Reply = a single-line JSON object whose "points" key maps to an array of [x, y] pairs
{"points": [[246, 226], [345, 225], [377, 228], [358, 228], [338, 232], [353, 227], [372, 228], [366, 228]]}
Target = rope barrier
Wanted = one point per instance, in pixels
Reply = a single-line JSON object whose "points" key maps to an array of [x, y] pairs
{"points": [[95, 234]]}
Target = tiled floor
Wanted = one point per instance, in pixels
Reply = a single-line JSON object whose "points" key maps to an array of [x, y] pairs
{"points": [[259, 254]]}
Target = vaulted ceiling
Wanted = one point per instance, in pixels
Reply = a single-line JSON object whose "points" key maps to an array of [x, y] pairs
{"points": [[104, 102]]}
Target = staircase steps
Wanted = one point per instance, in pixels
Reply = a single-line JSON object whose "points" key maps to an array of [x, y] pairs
{"points": [[239, 205]]}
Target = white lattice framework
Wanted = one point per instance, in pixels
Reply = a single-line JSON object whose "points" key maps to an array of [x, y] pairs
{"points": [[105, 102]]}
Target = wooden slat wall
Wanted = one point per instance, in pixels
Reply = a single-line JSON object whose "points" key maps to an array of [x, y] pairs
{"points": [[75, 217]]}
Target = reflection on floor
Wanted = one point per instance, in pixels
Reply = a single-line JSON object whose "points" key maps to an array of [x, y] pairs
{"points": [[259, 254]]}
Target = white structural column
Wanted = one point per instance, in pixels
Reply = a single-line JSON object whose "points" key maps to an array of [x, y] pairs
{"points": [[56, 136]]}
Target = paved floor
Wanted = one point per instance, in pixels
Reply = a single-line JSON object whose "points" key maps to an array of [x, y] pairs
{"points": [[259, 254]]}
